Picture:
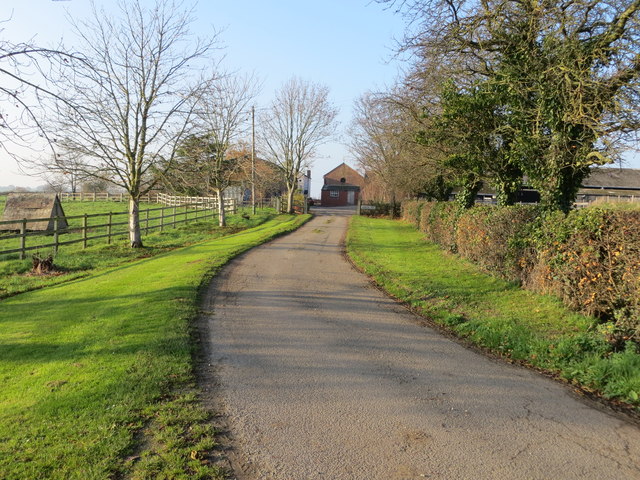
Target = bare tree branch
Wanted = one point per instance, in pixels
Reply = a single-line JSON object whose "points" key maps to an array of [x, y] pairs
{"points": [[299, 120]]}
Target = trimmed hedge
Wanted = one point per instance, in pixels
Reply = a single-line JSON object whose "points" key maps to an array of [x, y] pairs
{"points": [[590, 258], [498, 239], [411, 211], [441, 224]]}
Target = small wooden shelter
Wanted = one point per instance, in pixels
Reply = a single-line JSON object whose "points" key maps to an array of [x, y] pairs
{"points": [[40, 206]]}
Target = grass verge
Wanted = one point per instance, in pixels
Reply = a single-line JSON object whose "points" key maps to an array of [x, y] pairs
{"points": [[96, 374], [73, 262], [522, 326]]}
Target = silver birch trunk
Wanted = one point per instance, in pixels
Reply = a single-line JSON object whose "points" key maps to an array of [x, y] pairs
{"points": [[290, 194], [135, 237], [222, 218]]}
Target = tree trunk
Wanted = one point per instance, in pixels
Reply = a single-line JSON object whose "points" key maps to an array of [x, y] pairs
{"points": [[290, 193], [135, 237], [559, 191], [222, 218], [470, 187], [506, 193]]}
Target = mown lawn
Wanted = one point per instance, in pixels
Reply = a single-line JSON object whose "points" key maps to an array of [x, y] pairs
{"points": [[149, 224], [514, 323], [73, 261], [97, 375]]}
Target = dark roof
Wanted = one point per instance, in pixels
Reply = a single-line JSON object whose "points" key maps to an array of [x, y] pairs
{"points": [[613, 178], [341, 186], [333, 181], [601, 180]]}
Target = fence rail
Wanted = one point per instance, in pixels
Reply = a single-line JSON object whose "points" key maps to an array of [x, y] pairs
{"points": [[178, 200], [83, 228], [105, 196], [163, 198]]}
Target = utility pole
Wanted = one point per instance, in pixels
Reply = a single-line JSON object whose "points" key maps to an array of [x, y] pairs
{"points": [[253, 158]]}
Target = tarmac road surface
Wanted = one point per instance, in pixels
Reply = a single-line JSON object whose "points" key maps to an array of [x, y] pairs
{"points": [[318, 375]]}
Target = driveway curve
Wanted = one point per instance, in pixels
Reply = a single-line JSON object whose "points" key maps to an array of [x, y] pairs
{"points": [[318, 375]]}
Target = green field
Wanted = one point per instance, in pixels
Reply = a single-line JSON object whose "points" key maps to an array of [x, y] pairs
{"points": [[97, 374], [72, 261], [513, 323], [96, 225]]}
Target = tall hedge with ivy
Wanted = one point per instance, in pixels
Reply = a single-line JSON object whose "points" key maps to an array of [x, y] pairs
{"points": [[590, 258]]}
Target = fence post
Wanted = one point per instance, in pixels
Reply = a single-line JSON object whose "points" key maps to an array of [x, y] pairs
{"points": [[186, 212], [84, 231], [23, 238], [109, 229], [146, 228], [55, 235], [359, 207], [174, 216], [161, 218]]}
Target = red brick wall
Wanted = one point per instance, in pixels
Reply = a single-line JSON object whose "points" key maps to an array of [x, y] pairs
{"points": [[341, 200]]}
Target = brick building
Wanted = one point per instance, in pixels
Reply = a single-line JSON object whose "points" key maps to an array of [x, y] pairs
{"points": [[342, 186]]}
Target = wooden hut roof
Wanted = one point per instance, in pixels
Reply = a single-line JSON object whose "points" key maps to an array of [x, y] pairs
{"points": [[44, 206]]}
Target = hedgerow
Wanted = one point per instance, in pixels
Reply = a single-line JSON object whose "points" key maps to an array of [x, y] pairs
{"points": [[411, 211], [497, 239], [441, 224], [590, 258]]}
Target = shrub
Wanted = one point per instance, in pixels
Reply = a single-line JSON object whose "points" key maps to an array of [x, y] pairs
{"points": [[498, 239], [442, 223], [382, 209], [591, 258], [411, 211], [425, 215]]}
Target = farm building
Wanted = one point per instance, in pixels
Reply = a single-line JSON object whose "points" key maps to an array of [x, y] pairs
{"points": [[33, 206], [610, 182], [342, 186], [603, 183]]}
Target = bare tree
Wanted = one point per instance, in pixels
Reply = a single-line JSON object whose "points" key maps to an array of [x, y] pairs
{"points": [[299, 120], [133, 99], [69, 175], [26, 83], [223, 114], [385, 139]]}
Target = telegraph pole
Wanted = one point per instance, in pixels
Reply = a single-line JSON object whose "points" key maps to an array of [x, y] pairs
{"points": [[253, 158]]}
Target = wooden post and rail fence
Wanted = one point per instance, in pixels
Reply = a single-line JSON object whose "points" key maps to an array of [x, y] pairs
{"points": [[83, 228], [105, 197]]}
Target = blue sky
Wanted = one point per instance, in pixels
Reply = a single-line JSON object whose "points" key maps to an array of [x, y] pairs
{"points": [[346, 45]]}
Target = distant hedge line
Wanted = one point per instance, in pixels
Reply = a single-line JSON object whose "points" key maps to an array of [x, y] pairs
{"points": [[590, 257]]}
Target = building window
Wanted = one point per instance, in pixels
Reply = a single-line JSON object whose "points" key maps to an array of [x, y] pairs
{"points": [[334, 193]]}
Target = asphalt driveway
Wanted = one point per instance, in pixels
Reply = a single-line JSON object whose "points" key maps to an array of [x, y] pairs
{"points": [[318, 375]]}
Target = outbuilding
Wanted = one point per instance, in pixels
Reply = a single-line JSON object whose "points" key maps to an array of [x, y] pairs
{"points": [[342, 187], [43, 207]]}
